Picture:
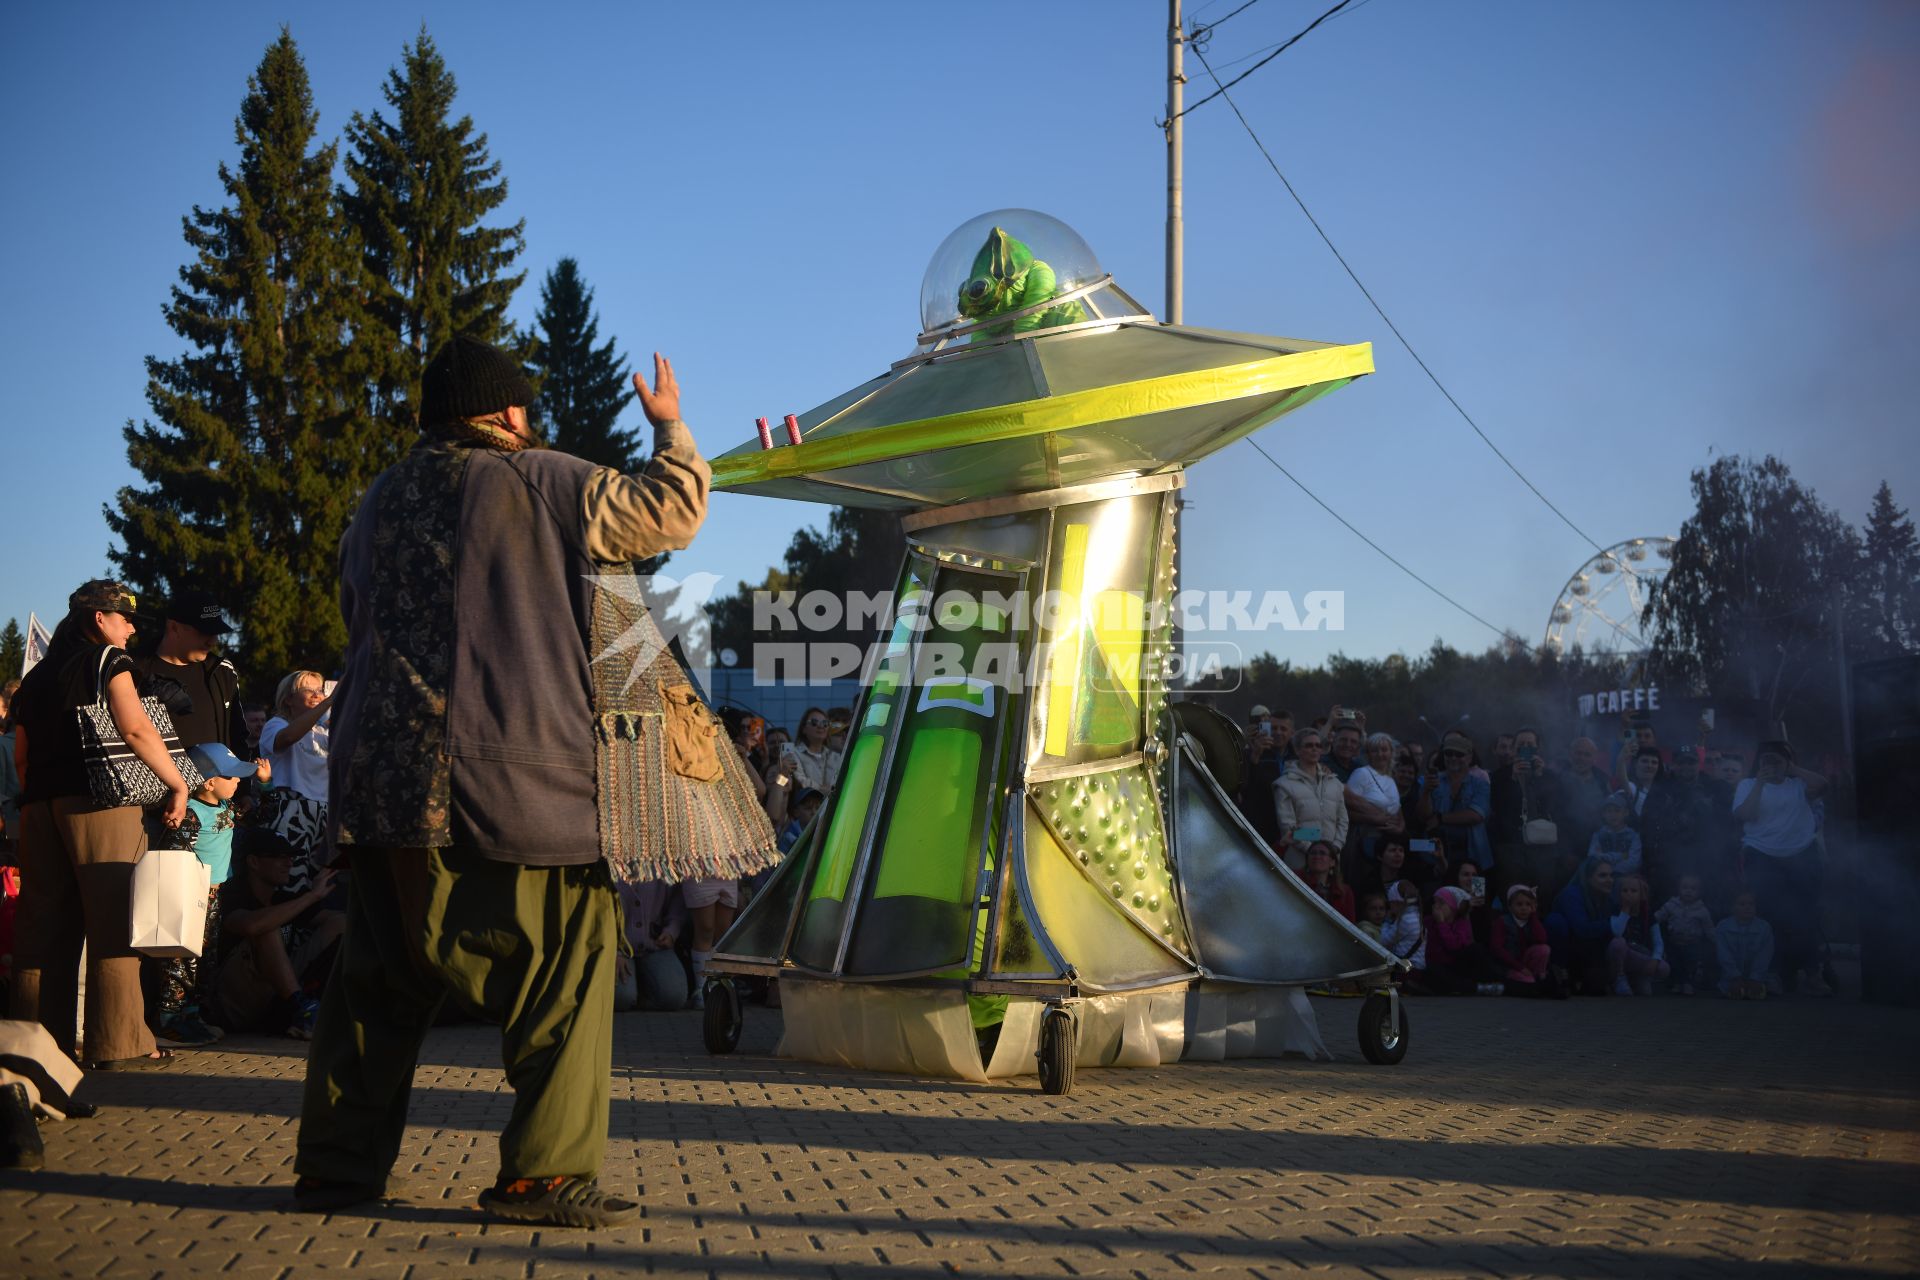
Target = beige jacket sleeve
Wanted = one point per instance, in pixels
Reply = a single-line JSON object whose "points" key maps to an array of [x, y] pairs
{"points": [[658, 508]]}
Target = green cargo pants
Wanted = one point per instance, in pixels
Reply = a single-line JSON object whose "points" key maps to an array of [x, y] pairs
{"points": [[532, 948]]}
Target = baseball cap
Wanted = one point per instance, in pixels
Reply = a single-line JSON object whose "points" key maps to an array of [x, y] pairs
{"points": [[809, 793], [215, 761], [1259, 711], [260, 842], [199, 610], [104, 595]]}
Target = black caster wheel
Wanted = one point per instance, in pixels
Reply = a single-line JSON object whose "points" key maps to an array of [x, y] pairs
{"points": [[721, 1023], [1059, 1038], [1383, 1037]]}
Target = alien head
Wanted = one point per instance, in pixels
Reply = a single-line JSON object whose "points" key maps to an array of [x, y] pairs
{"points": [[998, 271]]}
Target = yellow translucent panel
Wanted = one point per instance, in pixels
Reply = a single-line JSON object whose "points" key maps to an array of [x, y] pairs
{"points": [[1099, 611], [1064, 666]]}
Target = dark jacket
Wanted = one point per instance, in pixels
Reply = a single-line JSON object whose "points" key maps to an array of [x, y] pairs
{"points": [[465, 714]]}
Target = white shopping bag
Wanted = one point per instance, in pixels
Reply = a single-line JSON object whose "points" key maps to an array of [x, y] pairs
{"points": [[169, 902]]}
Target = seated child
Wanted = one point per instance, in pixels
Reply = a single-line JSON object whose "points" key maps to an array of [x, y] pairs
{"points": [[654, 918], [1743, 942], [276, 942], [1405, 933], [1638, 954], [1373, 914], [1688, 926], [1616, 843], [1455, 962], [1518, 945]]}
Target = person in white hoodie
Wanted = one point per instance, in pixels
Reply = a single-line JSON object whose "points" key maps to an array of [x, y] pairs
{"points": [[1310, 800]]}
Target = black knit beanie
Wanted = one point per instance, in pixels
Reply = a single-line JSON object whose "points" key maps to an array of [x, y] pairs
{"points": [[470, 379]]}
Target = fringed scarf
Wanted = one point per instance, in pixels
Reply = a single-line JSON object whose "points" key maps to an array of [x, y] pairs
{"points": [[660, 817]]}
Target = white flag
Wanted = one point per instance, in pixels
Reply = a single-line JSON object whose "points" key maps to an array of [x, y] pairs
{"points": [[38, 638]]}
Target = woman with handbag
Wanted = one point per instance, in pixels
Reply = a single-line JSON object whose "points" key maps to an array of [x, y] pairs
{"points": [[1525, 832], [78, 848]]}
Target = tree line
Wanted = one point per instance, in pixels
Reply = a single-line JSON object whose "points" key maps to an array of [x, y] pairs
{"points": [[311, 301], [1770, 596]]}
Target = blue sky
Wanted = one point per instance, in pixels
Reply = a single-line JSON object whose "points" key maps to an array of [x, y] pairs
{"points": [[1625, 235]]}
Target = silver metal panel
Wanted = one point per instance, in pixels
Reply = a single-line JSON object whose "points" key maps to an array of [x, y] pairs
{"points": [[1123, 487], [1251, 919]]}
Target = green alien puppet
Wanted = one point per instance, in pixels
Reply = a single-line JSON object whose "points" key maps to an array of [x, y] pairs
{"points": [[1007, 277]]}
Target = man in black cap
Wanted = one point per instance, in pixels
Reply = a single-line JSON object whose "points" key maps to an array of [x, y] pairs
{"points": [[209, 710], [466, 754]]}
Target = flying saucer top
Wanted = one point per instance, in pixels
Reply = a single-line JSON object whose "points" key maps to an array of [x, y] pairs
{"points": [[1033, 371], [1014, 271]]}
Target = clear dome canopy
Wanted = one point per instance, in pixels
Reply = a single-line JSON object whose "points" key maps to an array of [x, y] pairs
{"points": [[1013, 261]]}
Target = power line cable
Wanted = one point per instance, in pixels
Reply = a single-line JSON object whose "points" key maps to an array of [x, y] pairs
{"points": [[1361, 285], [1201, 30], [1221, 91], [1370, 542]]}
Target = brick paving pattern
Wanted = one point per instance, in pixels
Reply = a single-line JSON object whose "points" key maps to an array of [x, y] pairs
{"points": [[1653, 1139]]}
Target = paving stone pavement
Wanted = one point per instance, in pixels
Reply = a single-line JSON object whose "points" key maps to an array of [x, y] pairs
{"points": [[1653, 1139]]}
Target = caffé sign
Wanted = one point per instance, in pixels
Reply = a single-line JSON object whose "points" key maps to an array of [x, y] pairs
{"points": [[1606, 702]]}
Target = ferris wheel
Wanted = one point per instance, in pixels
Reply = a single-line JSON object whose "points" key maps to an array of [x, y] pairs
{"points": [[1603, 604]]}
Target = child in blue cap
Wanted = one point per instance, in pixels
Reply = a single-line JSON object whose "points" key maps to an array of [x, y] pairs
{"points": [[177, 987]]}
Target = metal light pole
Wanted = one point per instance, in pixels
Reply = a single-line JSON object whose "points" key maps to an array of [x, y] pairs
{"points": [[1176, 270], [1176, 96]]}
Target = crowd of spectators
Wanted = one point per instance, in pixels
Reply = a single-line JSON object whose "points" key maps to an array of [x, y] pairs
{"points": [[1616, 869], [258, 820], [1619, 869]]}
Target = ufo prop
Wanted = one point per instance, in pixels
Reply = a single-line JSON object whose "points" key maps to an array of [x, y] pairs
{"points": [[1026, 864]]}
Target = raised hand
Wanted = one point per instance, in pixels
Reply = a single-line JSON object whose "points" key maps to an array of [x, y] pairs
{"points": [[661, 403]]}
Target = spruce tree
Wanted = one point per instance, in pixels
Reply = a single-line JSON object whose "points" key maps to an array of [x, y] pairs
{"points": [[248, 463], [13, 650], [1747, 610], [419, 187], [583, 387], [1886, 616]]}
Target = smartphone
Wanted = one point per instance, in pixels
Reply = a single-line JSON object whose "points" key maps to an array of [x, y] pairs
{"points": [[1420, 846], [1706, 718], [1266, 727], [756, 732], [1477, 888], [1309, 834], [1526, 752]]}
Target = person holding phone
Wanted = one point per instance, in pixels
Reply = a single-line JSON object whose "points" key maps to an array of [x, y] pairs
{"points": [[1455, 806], [1269, 739], [1310, 801], [811, 761], [1468, 880]]}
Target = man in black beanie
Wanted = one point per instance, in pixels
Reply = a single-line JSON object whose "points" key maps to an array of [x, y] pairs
{"points": [[463, 784]]}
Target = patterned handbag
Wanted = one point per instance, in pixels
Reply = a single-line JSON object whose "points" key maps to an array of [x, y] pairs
{"points": [[116, 776]]}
